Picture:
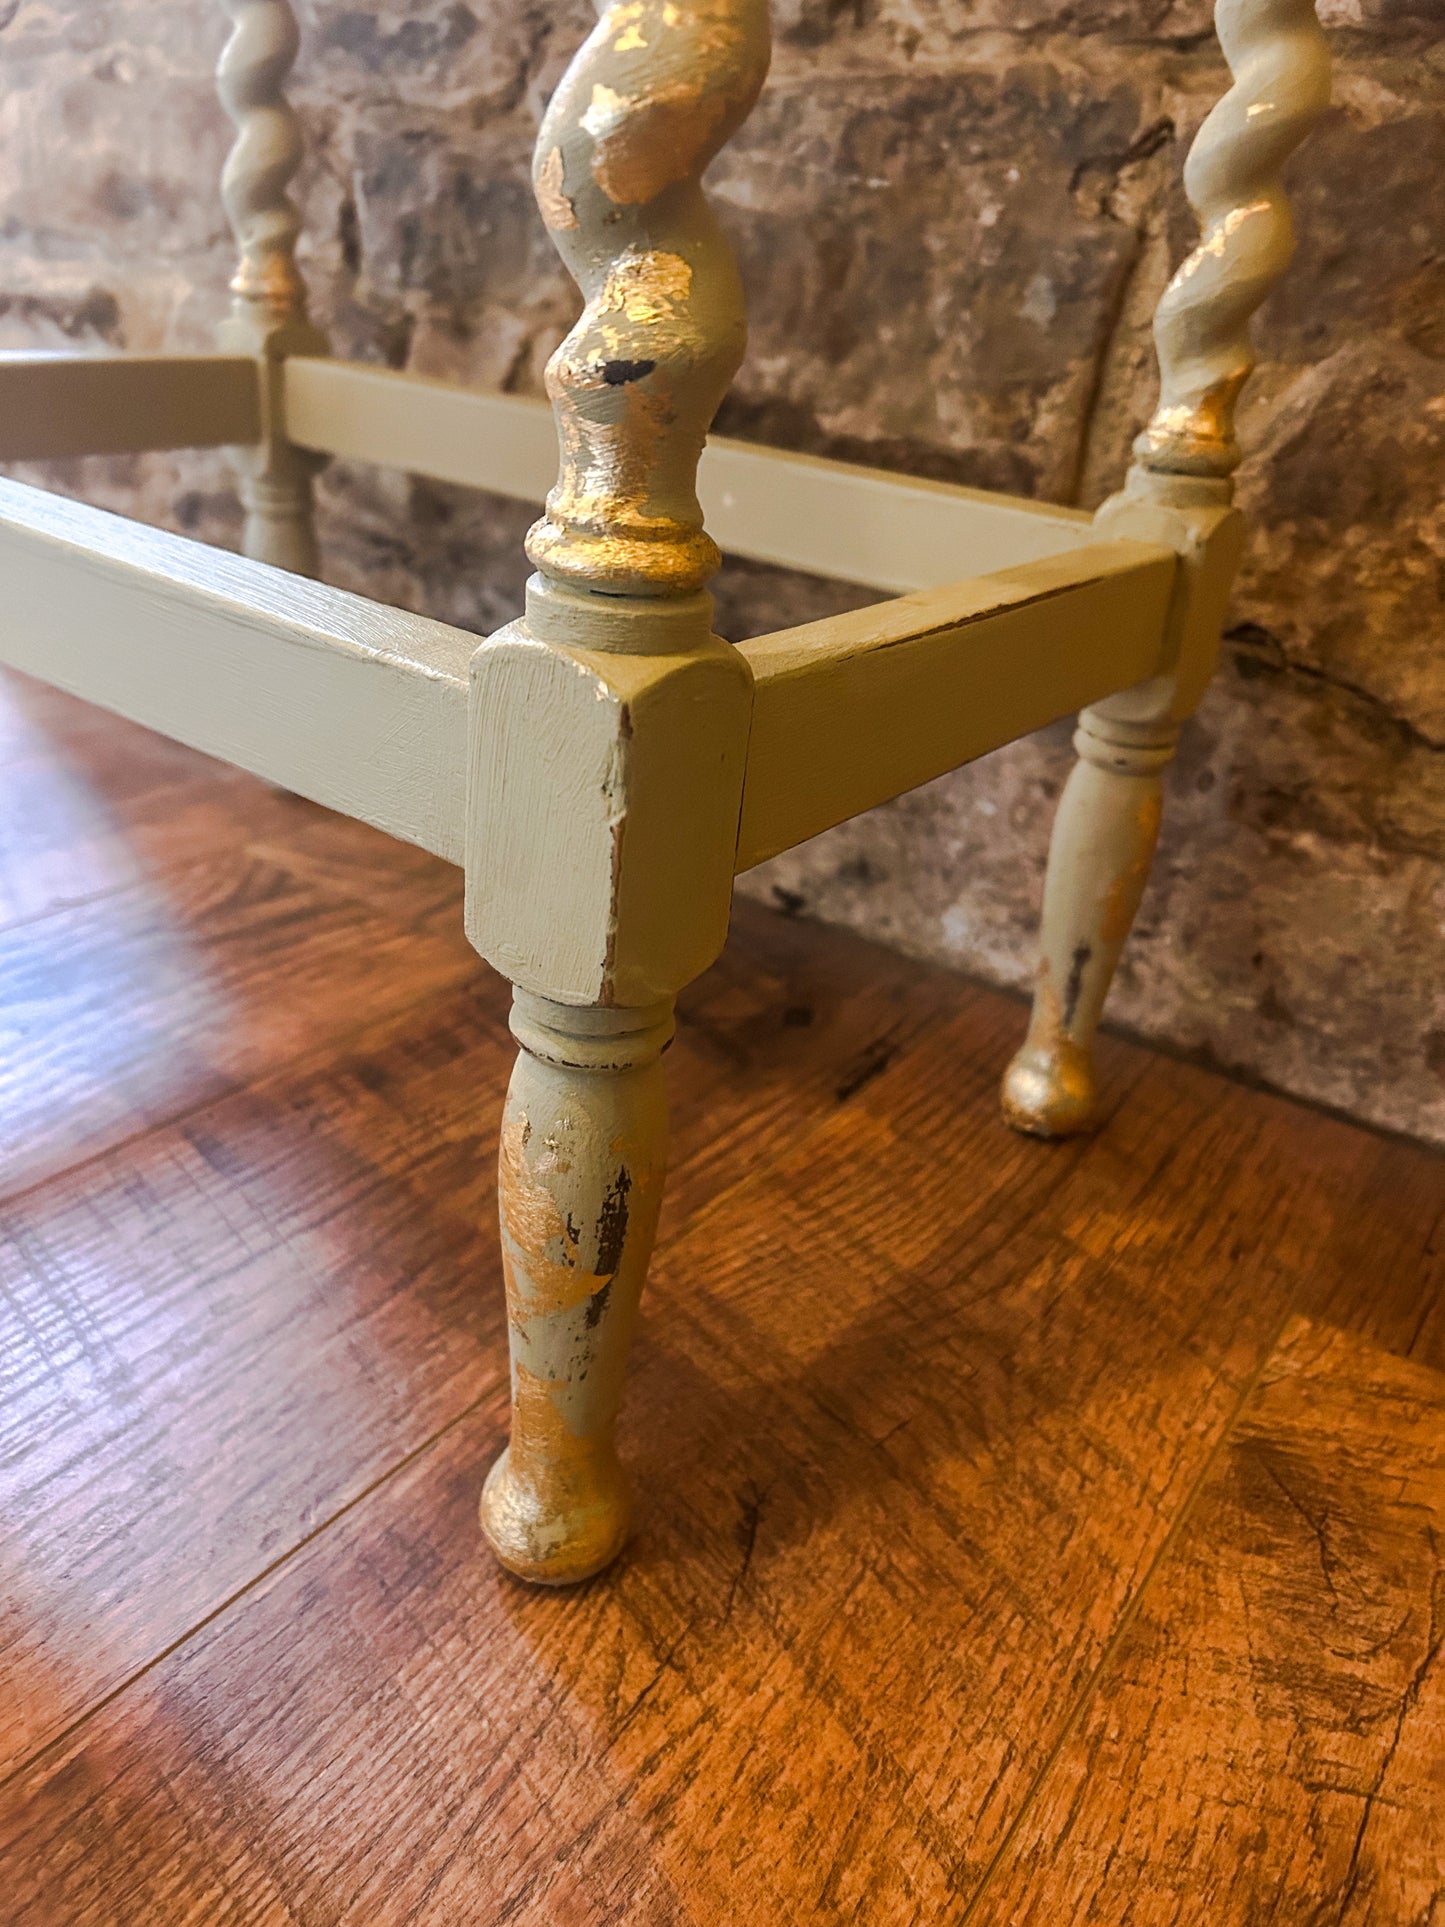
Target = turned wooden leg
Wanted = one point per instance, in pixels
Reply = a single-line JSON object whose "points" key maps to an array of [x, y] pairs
{"points": [[581, 1166], [1103, 843], [608, 744], [1179, 494], [268, 307], [280, 527]]}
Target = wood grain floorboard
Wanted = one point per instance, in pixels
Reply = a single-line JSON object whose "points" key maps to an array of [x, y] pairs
{"points": [[1271, 1731], [90, 805], [904, 1471], [214, 1338], [248, 1317], [343, 858], [924, 1415], [133, 1008]]}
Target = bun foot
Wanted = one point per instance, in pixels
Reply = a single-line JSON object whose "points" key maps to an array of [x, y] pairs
{"points": [[1050, 1092], [557, 1532]]}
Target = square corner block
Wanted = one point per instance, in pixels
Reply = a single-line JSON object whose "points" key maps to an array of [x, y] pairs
{"points": [[603, 798], [1209, 541]]}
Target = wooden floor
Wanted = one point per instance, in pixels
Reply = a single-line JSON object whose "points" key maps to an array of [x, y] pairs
{"points": [[1026, 1534]]}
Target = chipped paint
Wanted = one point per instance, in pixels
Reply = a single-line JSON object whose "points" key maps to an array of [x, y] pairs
{"points": [[580, 1170], [1078, 963], [649, 100], [539, 1246], [1279, 59], [1048, 1090], [557, 210]]}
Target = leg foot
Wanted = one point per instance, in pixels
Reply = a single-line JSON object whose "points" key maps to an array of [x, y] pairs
{"points": [[564, 1526], [582, 1160], [1048, 1089], [1103, 843]]}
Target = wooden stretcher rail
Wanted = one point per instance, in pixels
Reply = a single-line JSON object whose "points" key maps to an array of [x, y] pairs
{"points": [[56, 405], [855, 709], [888, 532], [359, 707], [364, 708]]}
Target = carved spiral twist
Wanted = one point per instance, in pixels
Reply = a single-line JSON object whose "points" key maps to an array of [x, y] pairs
{"points": [[267, 152], [653, 94], [1279, 59]]}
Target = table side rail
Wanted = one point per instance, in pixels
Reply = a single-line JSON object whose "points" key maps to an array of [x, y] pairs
{"points": [[359, 707], [60, 405], [851, 524], [861, 707], [364, 708], [894, 533]]}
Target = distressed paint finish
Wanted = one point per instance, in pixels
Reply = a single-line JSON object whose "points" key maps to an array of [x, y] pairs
{"points": [[581, 1167], [1179, 491], [602, 806], [1280, 61], [1103, 843], [649, 100], [609, 740], [268, 317]]}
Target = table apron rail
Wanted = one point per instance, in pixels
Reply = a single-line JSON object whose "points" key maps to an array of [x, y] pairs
{"points": [[364, 708], [359, 707]]}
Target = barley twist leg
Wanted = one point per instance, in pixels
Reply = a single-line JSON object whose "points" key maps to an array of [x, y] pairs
{"points": [[614, 681], [1178, 493], [268, 316]]}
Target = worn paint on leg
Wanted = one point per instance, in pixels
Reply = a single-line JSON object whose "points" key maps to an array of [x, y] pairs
{"points": [[1103, 844], [580, 1175], [1048, 1089], [609, 733], [1178, 492]]}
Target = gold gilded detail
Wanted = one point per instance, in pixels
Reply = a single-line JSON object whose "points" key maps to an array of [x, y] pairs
{"points": [[667, 115], [272, 279], [1122, 899], [557, 211], [251, 80], [614, 516], [647, 102], [555, 1506], [539, 1253], [607, 111], [647, 287], [1279, 59], [624, 25], [539, 1428], [1048, 1089], [642, 146]]}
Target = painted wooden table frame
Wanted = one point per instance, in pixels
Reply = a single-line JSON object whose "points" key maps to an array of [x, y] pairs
{"points": [[605, 765]]}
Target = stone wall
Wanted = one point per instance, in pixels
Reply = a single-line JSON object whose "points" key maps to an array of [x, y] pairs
{"points": [[954, 218]]}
